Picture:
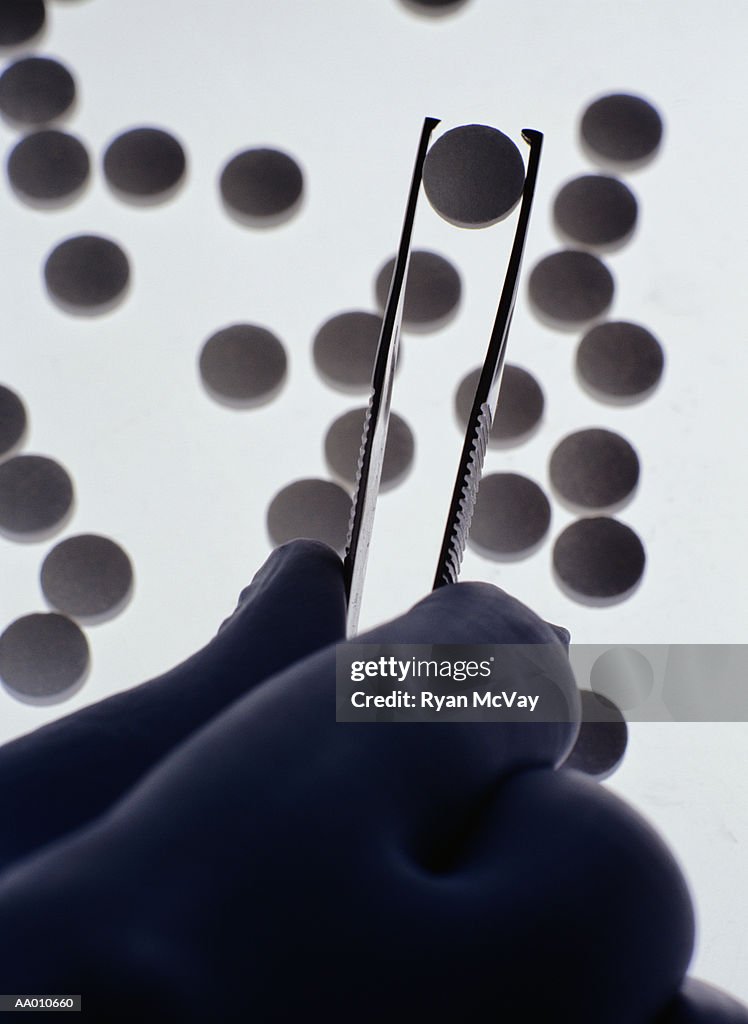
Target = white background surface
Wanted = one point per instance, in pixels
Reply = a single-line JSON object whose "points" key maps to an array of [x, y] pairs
{"points": [[183, 483]]}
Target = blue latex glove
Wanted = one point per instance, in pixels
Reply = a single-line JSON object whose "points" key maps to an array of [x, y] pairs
{"points": [[213, 846]]}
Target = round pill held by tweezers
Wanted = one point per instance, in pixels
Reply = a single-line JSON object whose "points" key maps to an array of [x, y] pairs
{"points": [[474, 176]]}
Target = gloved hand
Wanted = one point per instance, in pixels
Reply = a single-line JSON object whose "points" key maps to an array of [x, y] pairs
{"points": [[213, 846]]}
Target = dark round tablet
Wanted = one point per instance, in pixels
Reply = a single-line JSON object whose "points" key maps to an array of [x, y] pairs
{"points": [[262, 184], [86, 576], [36, 90], [620, 360], [434, 8], [13, 420], [473, 175], [243, 364], [432, 293], [312, 508], [621, 128], [571, 287], [520, 405], [87, 273], [144, 163], [36, 494], [595, 210], [599, 558], [345, 348], [602, 738], [48, 166], [512, 516], [20, 20], [594, 468], [343, 445], [624, 676], [42, 656]]}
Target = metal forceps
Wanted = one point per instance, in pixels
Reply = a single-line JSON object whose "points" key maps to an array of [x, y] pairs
{"points": [[374, 437]]}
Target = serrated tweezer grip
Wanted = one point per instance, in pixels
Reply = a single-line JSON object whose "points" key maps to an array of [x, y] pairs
{"points": [[487, 393]]}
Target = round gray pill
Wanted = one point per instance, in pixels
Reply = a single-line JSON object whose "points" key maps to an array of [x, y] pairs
{"points": [[512, 516], [13, 420], [42, 656], [87, 273], [599, 558], [433, 8], [595, 210], [144, 163], [36, 90], [624, 676], [474, 175], [520, 406], [621, 128], [86, 576], [345, 348], [311, 508], [262, 185], [594, 468], [620, 360], [48, 166], [20, 20], [243, 364], [36, 494], [571, 287]]}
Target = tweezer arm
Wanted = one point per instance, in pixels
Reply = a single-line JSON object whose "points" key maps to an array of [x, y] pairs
{"points": [[374, 437], [487, 393]]}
